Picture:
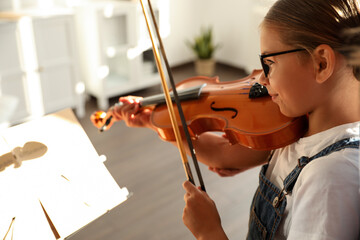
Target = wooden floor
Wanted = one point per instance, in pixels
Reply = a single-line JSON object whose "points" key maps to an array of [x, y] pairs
{"points": [[152, 170]]}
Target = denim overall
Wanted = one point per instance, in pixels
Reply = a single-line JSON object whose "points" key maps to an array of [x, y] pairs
{"points": [[269, 202]]}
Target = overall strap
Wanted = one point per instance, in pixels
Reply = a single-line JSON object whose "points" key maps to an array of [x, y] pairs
{"points": [[290, 180]]}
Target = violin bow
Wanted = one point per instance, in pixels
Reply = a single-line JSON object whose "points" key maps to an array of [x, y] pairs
{"points": [[169, 101]]}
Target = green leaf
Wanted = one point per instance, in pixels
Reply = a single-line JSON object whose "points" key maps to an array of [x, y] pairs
{"points": [[202, 45]]}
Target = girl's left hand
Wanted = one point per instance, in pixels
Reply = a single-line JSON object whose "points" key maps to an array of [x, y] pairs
{"points": [[200, 215], [226, 172]]}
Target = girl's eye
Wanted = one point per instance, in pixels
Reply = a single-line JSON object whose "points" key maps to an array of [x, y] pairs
{"points": [[268, 62]]}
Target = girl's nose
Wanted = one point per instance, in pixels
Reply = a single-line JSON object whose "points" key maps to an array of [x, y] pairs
{"points": [[263, 80]]}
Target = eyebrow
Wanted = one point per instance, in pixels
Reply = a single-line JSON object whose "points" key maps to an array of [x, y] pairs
{"points": [[269, 52]]}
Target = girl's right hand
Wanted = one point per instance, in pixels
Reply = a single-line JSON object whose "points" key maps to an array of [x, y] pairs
{"points": [[200, 214], [129, 110]]}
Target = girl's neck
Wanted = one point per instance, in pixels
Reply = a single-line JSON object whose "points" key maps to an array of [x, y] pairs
{"points": [[336, 110]]}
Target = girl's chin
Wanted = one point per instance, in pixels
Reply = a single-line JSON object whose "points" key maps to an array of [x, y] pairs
{"points": [[287, 112]]}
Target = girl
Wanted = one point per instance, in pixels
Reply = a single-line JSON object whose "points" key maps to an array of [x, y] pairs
{"points": [[308, 189]]}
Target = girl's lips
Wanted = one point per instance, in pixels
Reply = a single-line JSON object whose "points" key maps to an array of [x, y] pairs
{"points": [[273, 96]]}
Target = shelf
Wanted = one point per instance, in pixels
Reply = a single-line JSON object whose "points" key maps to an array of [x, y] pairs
{"points": [[113, 37], [115, 30], [116, 85]]}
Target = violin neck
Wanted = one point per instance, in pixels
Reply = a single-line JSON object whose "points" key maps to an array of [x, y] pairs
{"points": [[185, 94]]}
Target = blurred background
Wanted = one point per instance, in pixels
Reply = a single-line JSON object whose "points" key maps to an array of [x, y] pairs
{"points": [[85, 54]]}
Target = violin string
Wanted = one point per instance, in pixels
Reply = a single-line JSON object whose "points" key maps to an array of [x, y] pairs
{"points": [[177, 100], [168, 101]]}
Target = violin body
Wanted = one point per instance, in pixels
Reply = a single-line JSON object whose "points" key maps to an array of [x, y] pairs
{"points": [[256, 123], [226, 107]]}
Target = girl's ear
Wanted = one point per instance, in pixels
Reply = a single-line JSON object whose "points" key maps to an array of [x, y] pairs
{"points": [[324, 60]]}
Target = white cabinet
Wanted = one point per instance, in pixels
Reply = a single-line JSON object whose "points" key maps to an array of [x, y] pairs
{"points": [[39, 64], [58, 65], [11, 75], [115, 50]]}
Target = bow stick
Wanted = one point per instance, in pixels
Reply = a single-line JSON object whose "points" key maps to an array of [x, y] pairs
{"points": [[169, 102]]}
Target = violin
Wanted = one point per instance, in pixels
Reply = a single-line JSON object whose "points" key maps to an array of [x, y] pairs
{"points": [[242, 109]]}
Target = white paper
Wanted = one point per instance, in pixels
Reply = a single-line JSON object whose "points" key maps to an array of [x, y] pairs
{"points": [[69, 180]]}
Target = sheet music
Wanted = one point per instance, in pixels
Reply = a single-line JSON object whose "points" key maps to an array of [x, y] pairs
{"points": [[68, 180]]}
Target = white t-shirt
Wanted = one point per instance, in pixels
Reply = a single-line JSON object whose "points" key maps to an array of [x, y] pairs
{"points": [[325, 202]]}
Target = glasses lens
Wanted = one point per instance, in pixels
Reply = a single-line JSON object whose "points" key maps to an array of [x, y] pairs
{"points": [[265, 67]]}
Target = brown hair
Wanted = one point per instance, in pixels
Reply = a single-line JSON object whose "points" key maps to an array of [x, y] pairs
{"points": [[309, 23]]}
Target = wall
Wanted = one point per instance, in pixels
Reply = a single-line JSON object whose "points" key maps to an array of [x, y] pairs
{"points": [[183, 25], [235, 26]]}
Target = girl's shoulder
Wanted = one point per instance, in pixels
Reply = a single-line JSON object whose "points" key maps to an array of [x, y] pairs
{"points": [[312, 145], [286, 159], [341, 163]]}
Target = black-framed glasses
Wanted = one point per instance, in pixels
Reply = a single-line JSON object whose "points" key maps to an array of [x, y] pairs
{"points": [[266, 67]]}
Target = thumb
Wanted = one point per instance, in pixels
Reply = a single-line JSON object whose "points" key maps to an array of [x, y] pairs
{"points": [[189, 187]]}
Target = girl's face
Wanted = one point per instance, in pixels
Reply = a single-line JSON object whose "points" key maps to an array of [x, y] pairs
{"points": [[291, 79]]}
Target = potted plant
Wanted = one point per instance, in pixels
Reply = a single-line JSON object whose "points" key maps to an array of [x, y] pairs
{"points": [[204, 49]]}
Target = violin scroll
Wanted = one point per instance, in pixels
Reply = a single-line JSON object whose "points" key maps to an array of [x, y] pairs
{"points": [[102, 120]]}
